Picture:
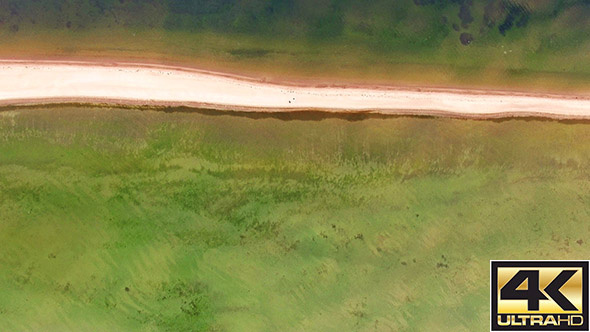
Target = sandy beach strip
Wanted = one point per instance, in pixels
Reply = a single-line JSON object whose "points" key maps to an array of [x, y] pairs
{"points": [[39, 82]]}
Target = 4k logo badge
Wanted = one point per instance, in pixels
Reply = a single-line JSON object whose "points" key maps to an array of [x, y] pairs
{"points": [[539, 295]]}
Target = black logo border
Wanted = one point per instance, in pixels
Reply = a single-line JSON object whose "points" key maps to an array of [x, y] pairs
{"points": [[495, 264]]}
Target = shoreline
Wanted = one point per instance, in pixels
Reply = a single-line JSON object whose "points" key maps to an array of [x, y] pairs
{"points": [[125, 83], [271, 77], [295, 113]]}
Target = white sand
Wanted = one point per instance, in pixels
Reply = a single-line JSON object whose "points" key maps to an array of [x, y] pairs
{"points": [[39, 81]]}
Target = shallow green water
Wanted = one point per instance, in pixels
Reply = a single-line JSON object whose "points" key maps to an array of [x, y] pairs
{"points": [[534, 44], [142, 220]]}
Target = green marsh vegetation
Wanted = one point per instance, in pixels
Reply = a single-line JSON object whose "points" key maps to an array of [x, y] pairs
{"points": [[533, 44], [137, 220]]}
